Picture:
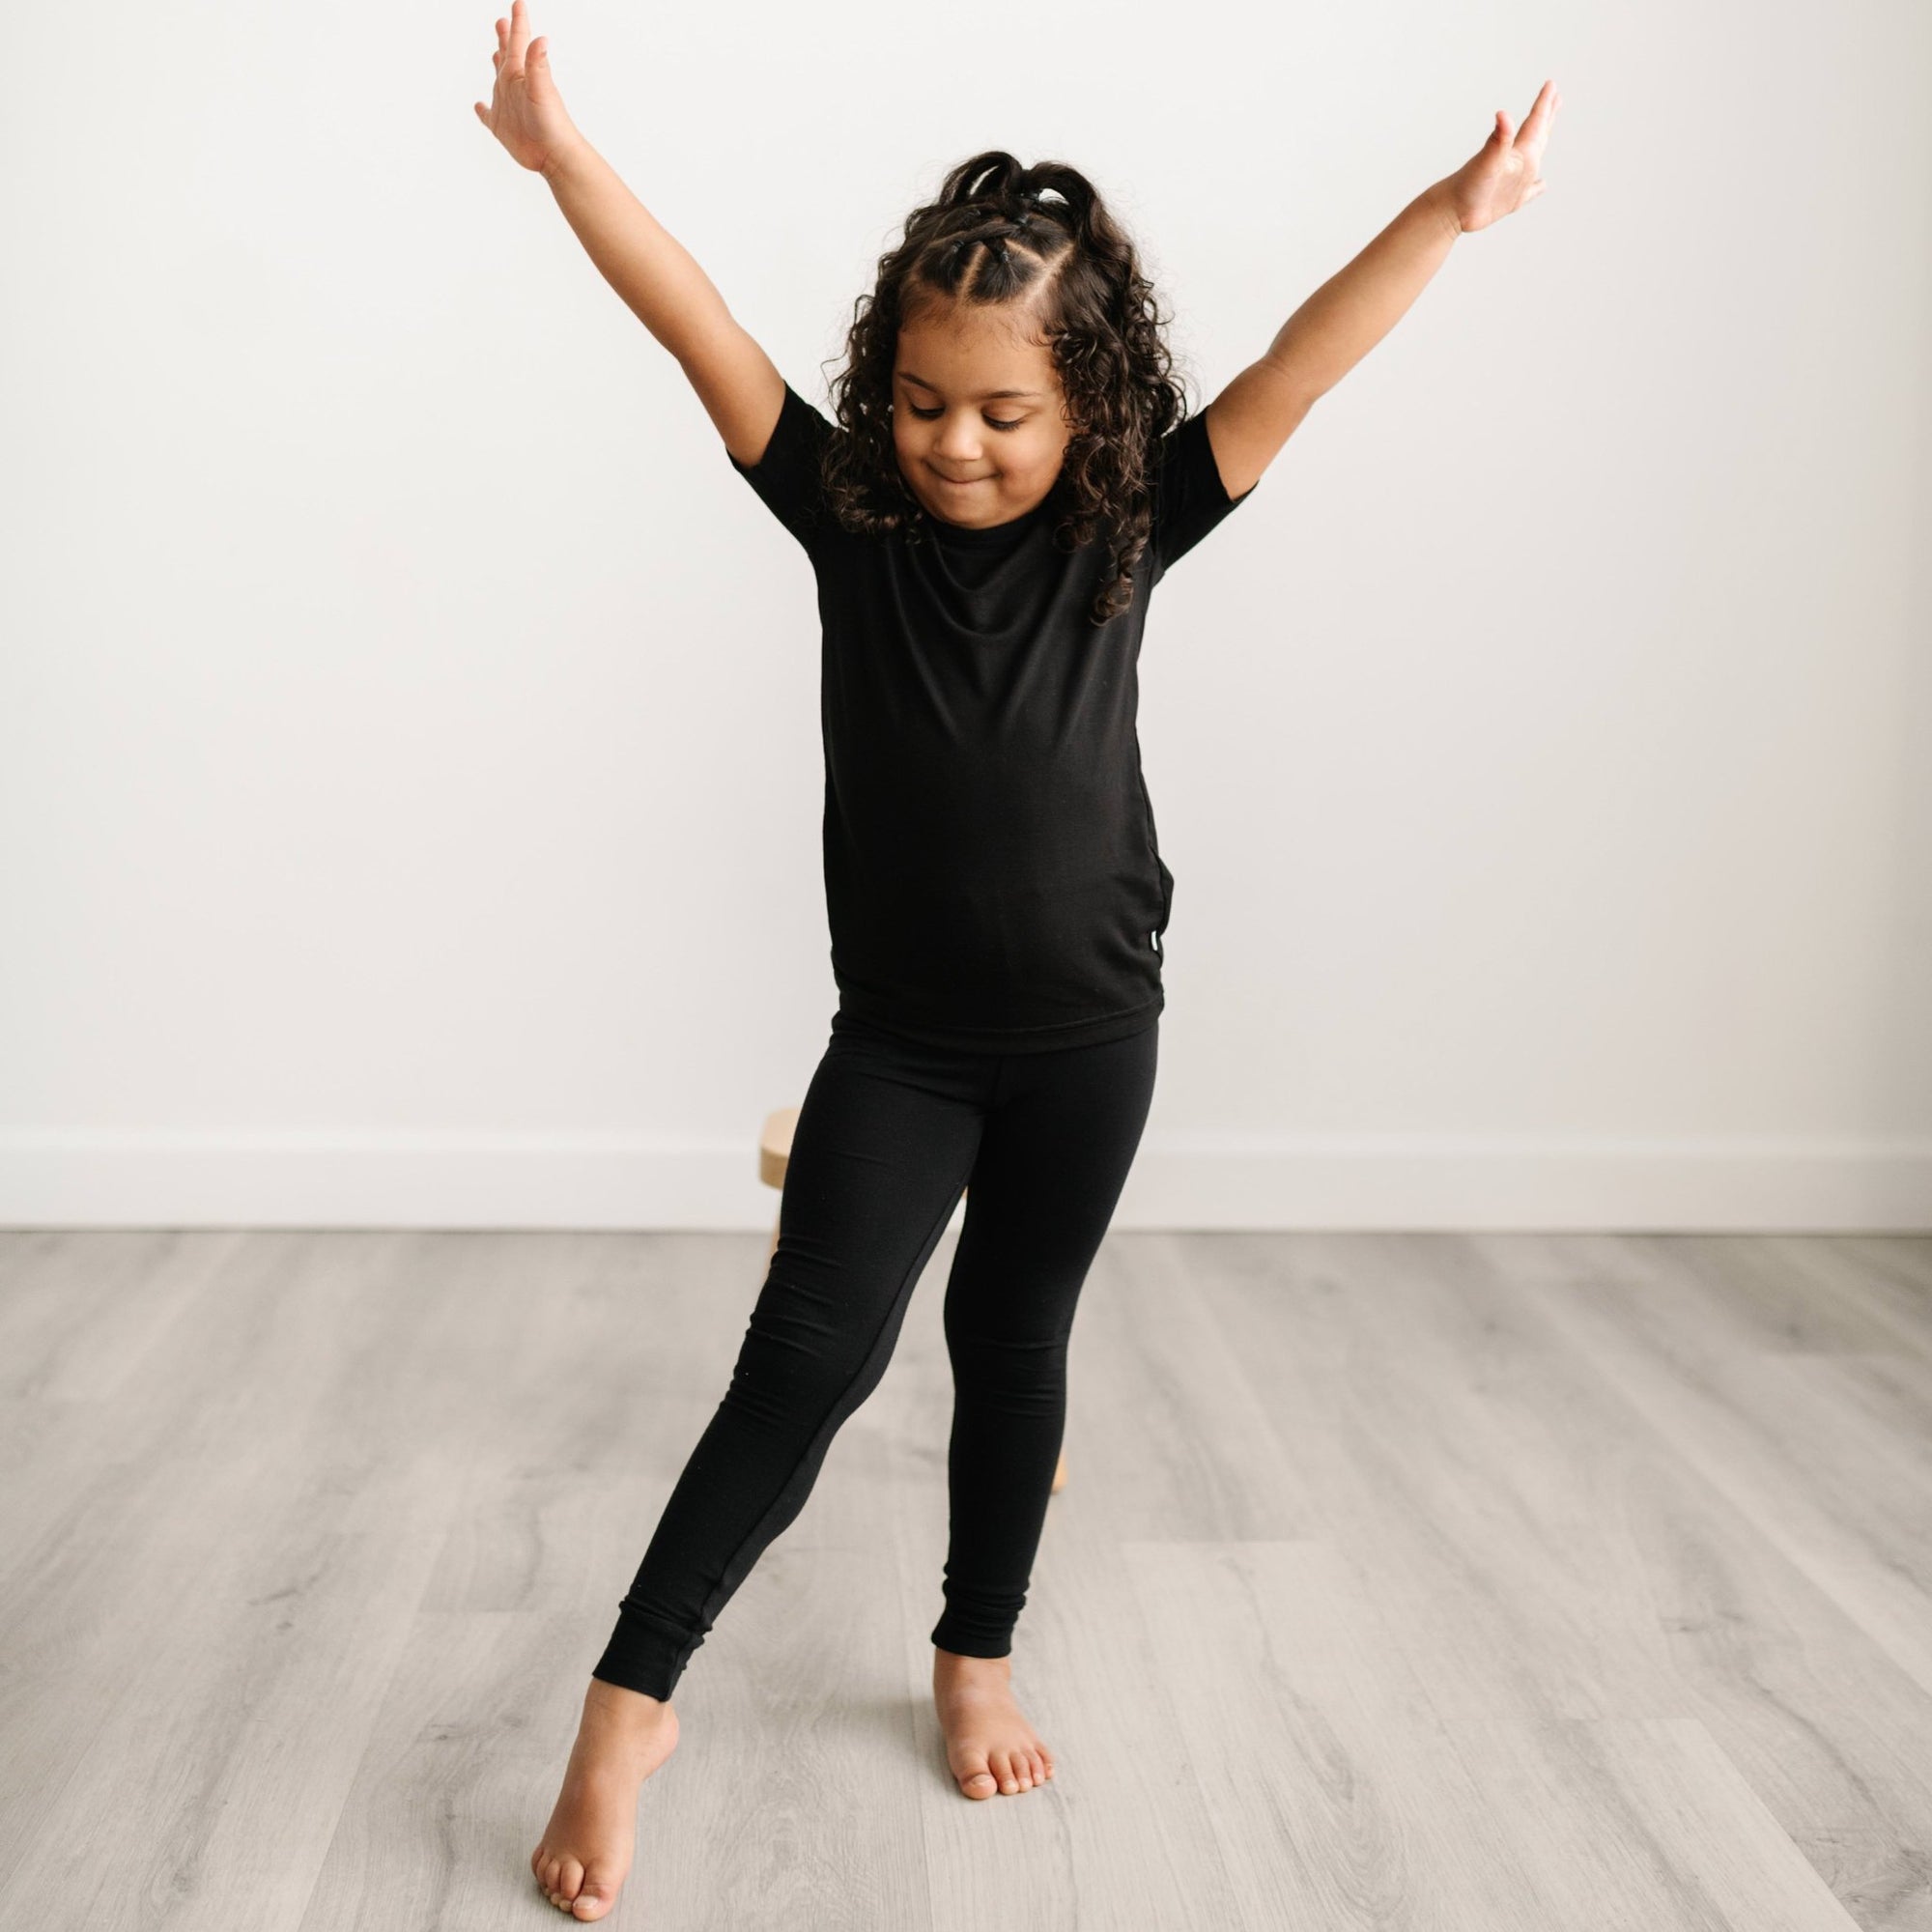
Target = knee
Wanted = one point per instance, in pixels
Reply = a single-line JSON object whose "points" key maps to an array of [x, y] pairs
{"points": [[791, 1367], [1012, 1367]]}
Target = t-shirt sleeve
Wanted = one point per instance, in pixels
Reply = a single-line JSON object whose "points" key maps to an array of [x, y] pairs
{"points": [[1187, 497], [788, 477]]}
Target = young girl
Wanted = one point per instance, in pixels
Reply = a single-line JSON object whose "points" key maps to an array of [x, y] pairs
{"points": [[1009, 476]]}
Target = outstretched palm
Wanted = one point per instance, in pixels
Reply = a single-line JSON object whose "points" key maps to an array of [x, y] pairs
{"points": [[1501, 175]]}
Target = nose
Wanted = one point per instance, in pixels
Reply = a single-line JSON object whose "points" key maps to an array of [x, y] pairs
{"points": [[957, 442]]}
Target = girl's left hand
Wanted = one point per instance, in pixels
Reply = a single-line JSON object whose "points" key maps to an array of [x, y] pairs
{"points": [[1501, 175]]}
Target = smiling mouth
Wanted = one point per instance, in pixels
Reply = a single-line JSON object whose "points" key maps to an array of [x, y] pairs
{"points": [[960, 482]]}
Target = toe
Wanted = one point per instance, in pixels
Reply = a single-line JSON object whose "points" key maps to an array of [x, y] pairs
{"points": [[1003, 1769], [569, 1878], [974, 1779], [547, 1877], [596, 1896]]}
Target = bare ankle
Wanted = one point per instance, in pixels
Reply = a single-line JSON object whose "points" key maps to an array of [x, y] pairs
{"points": [[953, 1662], [620, 1697], [610, 1709]]}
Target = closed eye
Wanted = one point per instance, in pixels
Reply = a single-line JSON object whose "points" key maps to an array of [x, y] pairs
{"points": [[991, 422]]}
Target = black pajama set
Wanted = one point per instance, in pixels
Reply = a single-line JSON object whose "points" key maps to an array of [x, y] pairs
{"points": [[996, 900]]}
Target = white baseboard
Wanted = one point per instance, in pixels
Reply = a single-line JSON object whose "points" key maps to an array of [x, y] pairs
{"points": [[1732, 1185]]}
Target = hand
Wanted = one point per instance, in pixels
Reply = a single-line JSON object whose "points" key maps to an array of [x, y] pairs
{"points": [[1501, 175], [526, 111]]}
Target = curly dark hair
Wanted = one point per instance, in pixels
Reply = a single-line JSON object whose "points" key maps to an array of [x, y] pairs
{"points": [[994, 237]]}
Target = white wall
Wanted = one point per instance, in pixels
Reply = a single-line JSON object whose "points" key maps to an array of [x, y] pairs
{"points": [[409, 775]]}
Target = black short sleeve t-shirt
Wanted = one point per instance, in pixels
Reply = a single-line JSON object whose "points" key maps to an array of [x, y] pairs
{"points": [[992, 878]]}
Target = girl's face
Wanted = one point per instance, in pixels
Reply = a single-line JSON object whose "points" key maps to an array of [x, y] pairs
{"points": [[979, 416]]}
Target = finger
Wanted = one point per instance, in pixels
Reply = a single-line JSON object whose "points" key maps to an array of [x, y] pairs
{"points": [[1536, 122], [519, 30]]}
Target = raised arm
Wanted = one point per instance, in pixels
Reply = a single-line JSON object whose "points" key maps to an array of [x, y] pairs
{"points": [[657, 278], [1350, 313]]}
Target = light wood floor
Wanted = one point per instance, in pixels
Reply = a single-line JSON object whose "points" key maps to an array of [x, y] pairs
{"points": [[1470, 1583]]}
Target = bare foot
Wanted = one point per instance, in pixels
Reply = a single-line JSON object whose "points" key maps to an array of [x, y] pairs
{"points": [[584, 1854], [990, 1744]]}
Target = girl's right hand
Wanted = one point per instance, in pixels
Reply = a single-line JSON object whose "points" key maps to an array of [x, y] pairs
{"points": [[526, 112]]}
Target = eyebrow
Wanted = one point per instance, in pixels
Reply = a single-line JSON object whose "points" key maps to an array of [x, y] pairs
{"points": [[986, 396]]}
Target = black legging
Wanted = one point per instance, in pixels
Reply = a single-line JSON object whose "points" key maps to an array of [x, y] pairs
{"points": [[888, 1133]]}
